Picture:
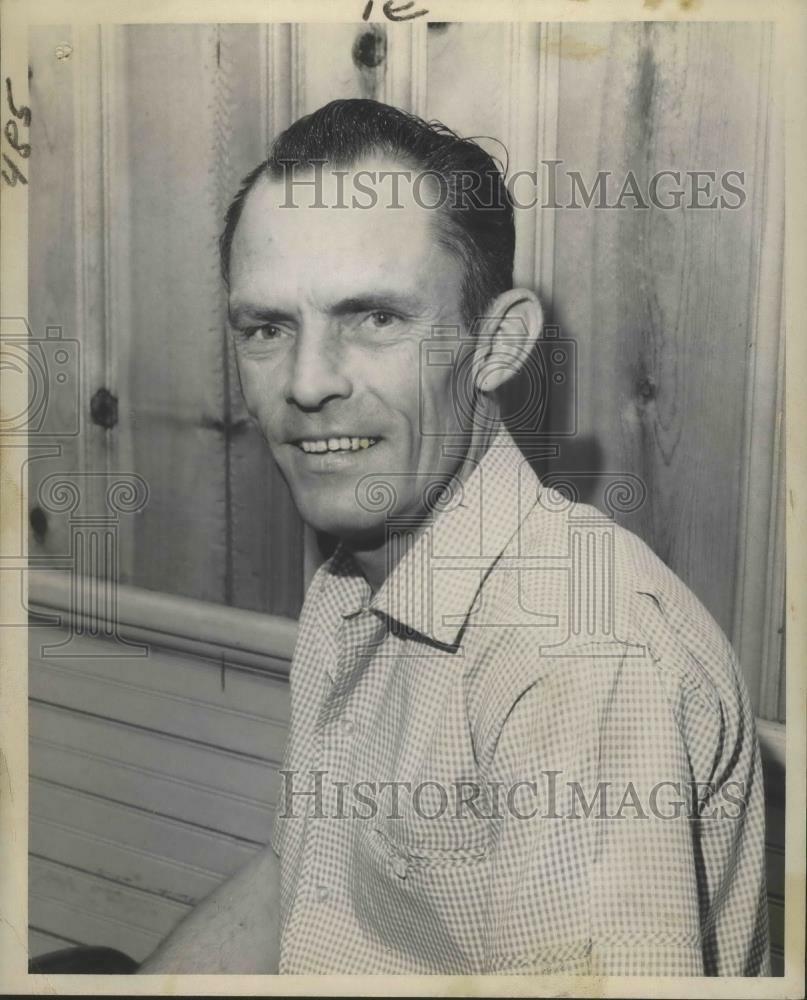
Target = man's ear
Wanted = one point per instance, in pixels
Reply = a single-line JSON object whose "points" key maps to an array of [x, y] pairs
{"points": [[506, 335]]}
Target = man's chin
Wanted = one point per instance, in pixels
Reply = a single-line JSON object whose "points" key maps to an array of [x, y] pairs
{"points": [[357, 528]]}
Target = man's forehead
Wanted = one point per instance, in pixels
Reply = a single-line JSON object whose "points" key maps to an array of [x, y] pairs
{"points": [[327, 228], [372, 182]]}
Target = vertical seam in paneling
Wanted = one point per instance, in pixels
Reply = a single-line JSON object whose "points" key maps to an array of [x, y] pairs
{"points": [[220, 168], [296, 70], [279, 68], [106, 222], [773, 665], [404, 83], [87, 102], [752, 638], [418, 64], [547, 111]]}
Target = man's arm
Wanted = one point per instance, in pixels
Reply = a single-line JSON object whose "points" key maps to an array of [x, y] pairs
{"points": [[234, 930]]}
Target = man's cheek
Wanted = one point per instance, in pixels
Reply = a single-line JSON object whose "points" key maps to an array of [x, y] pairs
{"points": [[258, 399]]}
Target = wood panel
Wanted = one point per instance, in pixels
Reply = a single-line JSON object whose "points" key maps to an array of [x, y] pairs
{"points": [[152, 777], [130, 845], [145, 301], [661, 303], [99, 910], [117, 806], [139, 701], [53, 300], [263, 531], [188, 799], [759, 611], [40, 942], [177, 378], [336, 60]]}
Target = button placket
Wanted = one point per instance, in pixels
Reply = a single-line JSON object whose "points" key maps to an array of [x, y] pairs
{"points": [[336, 731]]}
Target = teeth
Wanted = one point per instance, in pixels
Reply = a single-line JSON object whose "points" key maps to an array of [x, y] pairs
{"points": [[337, 444]]}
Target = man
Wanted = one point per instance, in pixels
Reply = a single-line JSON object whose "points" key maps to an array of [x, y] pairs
{"points": [[518, 743]]}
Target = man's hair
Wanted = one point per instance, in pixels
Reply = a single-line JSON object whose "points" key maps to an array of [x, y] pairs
{"points": [[474, 213]]}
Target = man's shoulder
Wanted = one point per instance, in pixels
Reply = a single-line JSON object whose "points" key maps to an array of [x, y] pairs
{"points": [[607, 561], [589, 595]]}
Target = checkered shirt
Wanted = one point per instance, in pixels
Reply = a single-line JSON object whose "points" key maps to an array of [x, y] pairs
{"points": [[531, 751]]}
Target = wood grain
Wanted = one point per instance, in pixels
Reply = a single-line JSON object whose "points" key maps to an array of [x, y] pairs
{"points": [[659, 301], [52, 266], [99, 910]]}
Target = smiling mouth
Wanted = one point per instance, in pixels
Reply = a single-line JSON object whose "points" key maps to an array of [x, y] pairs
{"points": [[320, 446]]}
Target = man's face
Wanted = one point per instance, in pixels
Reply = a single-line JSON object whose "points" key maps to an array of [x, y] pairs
{"points": [[329, 307]]}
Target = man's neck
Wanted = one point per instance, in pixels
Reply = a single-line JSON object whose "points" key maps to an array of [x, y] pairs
{"points": [[374, 560]]}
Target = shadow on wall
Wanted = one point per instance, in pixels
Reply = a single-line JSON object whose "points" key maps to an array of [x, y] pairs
{"points": [[539, 405]]}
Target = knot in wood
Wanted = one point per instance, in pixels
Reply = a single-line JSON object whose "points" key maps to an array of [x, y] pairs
{"points": [[104, 409], [369, 49], [38, 520], [647, 388]]}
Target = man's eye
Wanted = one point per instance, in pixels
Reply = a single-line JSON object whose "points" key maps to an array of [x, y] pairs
{"points": [[380, 318], [266, 332]]}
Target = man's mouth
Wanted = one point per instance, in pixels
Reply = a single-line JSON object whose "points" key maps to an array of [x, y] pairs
{"points": [[313, 446]]}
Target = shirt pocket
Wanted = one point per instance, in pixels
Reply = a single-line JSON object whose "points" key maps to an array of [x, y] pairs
{"points": [[424, 902], [420, 852]]}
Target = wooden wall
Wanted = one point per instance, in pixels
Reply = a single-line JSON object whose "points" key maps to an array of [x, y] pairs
{"points": [[133, 174], [151, 777], [141, 136], [677, 313]]}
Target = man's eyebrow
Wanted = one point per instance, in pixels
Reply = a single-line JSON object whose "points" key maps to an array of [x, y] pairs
{"points": [[403, 302], [367, 302], [257, 314]]}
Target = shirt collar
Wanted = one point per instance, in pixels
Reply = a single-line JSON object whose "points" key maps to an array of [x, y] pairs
{"points": [[432, 588], [345, 587]]}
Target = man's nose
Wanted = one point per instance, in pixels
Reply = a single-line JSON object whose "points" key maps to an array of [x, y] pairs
{"points": [[317, 372]]}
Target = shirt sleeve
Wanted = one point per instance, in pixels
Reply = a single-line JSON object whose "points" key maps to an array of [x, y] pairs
{"points": [[630, 838]]}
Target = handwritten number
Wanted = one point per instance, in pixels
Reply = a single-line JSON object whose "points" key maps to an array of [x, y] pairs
{"points": [[16, 173], [393, 13], [12, 133], [23, 113], [396, 13]]}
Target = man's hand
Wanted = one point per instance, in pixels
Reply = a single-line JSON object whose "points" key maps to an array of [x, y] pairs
{"points": [[234, 930]]}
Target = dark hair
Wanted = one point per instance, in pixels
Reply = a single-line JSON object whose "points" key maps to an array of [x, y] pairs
{"points": [[476, 219]]}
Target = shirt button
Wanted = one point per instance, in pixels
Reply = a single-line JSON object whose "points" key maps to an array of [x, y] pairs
{"points": [[400, 868], [323, 893], [348, 725]]}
